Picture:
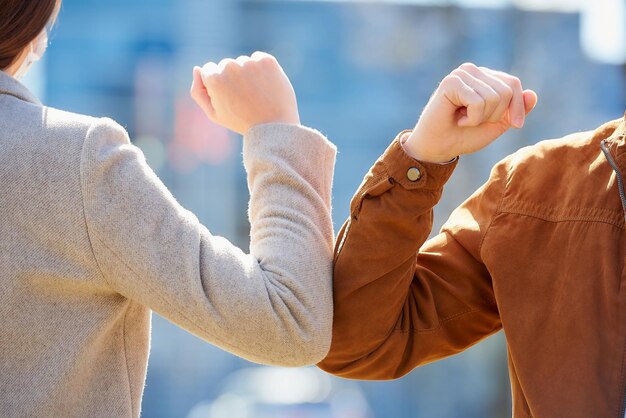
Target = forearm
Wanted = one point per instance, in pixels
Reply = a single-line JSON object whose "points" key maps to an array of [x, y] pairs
{"points": [[275, 306], [391, 217], [395, 307], [290, 173], [271, 306]]}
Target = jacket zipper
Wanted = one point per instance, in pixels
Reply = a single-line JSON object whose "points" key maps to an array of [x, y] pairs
{"points": [[622, 195], [620, 181]]}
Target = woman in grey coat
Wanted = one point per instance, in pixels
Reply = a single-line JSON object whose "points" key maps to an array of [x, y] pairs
{"points": [[91, 241]]}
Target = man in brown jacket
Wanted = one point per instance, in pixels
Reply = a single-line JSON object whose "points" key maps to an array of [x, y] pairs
{"points": [[537, 251]]}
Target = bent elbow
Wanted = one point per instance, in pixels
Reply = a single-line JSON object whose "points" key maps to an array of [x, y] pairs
{"points": [[301, 322], [359, 370], [318, 345], [377, 364], [307, 348]]}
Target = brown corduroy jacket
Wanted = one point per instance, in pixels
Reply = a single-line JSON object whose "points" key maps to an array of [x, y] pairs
{"points": [[538, 251]]}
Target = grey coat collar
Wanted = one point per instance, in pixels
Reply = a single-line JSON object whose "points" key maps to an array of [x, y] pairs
{"points": [[12, 87]]}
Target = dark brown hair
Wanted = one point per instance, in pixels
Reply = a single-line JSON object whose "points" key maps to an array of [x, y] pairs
{"points": [[21, 21]]}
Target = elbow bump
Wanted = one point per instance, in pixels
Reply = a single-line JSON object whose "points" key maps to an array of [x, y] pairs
{"points": [[306, 350], [319, 348], [320, 340]]}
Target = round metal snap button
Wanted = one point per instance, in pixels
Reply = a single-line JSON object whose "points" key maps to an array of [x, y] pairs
{"points": [[413, 174]]}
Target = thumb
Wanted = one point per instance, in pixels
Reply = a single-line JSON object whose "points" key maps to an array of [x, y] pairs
{"points": [[530, 100], [199, 93]]}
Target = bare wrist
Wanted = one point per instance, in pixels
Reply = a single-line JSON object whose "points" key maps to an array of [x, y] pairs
{"points": [[407, 140], [285, 119], [279, 121]]}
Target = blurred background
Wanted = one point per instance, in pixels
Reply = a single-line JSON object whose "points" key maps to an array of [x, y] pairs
{"points": [[363, 70]]}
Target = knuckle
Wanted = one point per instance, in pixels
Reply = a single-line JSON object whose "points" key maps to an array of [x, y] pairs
{"points": [[459, 72], [211, 79], [228, 64], [493, 98], [476, 102], [268, 60], [473, 98], [451, 81], [479, 103], [207, 70], [507, 92], [515, 82], [269, 57], [468, 66], [266, 63], [484, 72], [259, 56]]}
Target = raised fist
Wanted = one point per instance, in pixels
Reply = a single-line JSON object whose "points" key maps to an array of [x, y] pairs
{"points": [[472, 107], [239, 94]]}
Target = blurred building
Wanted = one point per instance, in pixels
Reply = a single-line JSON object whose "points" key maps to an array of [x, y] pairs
{"points": [[363, 71]]}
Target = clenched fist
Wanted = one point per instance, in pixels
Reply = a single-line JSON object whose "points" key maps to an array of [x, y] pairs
{"points": [[472, 107], [239, 94]]}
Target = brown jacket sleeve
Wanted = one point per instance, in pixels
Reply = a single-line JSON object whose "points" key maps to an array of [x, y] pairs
{"points": [[398, 306]]}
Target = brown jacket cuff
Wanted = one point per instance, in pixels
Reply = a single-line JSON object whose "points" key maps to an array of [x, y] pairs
{"points": [[414, 174], [395, 166]]}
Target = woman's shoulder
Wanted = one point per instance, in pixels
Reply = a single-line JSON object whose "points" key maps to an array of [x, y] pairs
{"points": [[80, 124]]}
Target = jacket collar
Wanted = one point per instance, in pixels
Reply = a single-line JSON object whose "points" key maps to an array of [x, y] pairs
{"points": [[12, 87], [618, 137], [614, 136]]}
